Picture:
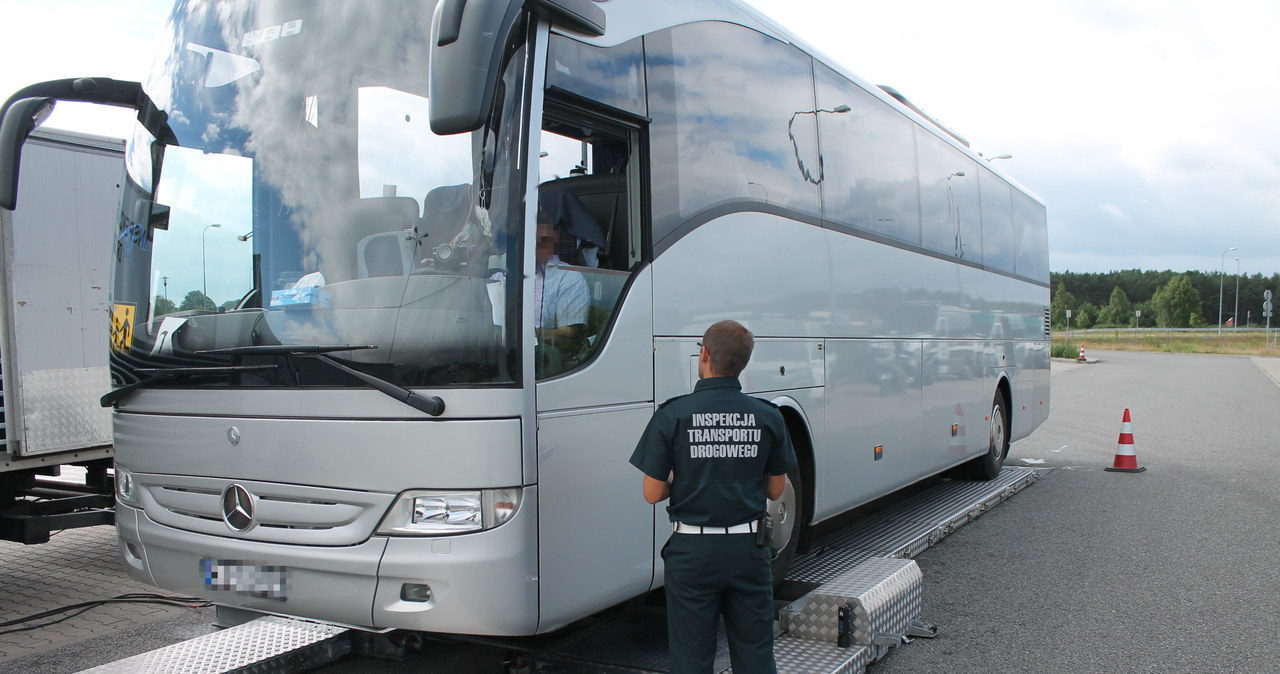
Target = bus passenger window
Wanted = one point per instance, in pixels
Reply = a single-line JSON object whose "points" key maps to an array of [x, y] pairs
{"points": [[950, 216], [871, 174], [997, 222], [588, 236], [1030, 238]]}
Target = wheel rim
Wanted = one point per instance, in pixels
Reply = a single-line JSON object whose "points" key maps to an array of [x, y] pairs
{"points": [[996, 448], [783, 512]]}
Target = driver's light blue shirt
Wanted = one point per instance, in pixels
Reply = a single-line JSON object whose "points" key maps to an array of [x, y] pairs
{"points": [[560, 296]]}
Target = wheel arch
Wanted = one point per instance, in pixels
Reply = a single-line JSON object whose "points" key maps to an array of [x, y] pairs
{"points": [[1005, 390], [799, 428]]}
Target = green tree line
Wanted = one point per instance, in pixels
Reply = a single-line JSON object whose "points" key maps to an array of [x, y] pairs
{"points": [[1167, 299]]}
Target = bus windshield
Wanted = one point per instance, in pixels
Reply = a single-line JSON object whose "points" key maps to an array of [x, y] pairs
{"points": [[307, 203]]}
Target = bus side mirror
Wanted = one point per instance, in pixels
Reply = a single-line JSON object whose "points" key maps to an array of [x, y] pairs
{"points": [[20, 119], [467, 41], [27, 108], [583, 16]]}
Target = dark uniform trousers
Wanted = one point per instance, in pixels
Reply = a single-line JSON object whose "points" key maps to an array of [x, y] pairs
{"points": [[707, 574]]}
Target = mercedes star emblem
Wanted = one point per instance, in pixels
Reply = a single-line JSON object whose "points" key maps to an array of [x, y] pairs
{"points": [[237, 508]]}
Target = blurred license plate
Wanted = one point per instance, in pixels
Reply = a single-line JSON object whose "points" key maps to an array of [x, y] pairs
{"points": [[251, 579]]}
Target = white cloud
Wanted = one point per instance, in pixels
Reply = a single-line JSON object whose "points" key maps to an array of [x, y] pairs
{"points": [[1147, 126], [1114, 211]]}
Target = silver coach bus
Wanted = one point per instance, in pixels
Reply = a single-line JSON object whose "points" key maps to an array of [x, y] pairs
{"points": [[331, 395]]}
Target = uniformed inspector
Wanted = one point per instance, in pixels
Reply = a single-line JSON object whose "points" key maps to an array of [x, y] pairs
{"points": [[717, 453]]}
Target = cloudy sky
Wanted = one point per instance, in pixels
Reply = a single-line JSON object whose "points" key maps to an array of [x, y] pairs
{"points": [[1151, 128]]}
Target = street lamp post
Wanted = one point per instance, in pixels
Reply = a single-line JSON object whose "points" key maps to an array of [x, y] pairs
{"points": [[1235, 315], [804, 172], [204, 267], [1221, 272], [959, 242]]}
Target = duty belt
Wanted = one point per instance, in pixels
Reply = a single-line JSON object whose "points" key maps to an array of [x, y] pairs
{"points": [[744, 528]]}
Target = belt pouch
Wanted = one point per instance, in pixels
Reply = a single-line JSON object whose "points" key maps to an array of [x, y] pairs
{"points": [[764, 531]]}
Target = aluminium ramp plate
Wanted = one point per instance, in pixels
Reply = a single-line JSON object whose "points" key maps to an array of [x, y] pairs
{"points": [[267, 644], [802, 656], [908, 528]]}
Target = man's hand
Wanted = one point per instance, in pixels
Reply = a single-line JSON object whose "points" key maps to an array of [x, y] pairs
{"points": [[563, 337]]}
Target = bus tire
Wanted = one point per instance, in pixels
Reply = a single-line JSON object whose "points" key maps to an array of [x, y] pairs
{"points": [[987, 466], [786, 513]]}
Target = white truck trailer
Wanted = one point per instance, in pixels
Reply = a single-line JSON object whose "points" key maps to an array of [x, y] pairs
{"points": [[55, 253]]}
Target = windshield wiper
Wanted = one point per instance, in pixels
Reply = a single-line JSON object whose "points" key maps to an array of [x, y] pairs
{"points": [[287, 349], [432, 405], [159, 373]]}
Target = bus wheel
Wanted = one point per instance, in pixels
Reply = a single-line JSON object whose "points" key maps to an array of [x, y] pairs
{"points": [[786, 512], [987, 466]]}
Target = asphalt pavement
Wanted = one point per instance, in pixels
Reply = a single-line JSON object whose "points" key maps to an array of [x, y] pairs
{"points": [[1168, 570]]}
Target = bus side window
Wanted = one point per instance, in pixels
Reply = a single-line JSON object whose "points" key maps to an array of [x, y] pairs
{"points": [[734, 126], [871, 174], [950, 221], [1030, 231], [588, 191], [997, 222]]}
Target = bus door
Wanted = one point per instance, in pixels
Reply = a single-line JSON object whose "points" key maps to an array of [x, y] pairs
{"points": [[594, 363]]}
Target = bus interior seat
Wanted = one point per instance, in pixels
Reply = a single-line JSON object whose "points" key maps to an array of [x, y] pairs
{"points": [[578, 228], [365, 220], [445, 211], [386, 254], [604, 200]]}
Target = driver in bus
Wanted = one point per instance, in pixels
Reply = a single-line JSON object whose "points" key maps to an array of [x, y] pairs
{"points": [[560, 297]]}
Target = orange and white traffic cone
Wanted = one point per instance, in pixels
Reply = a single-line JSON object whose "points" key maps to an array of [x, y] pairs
{"points": [[957, 445], [1126, 460], [1081, 358]]}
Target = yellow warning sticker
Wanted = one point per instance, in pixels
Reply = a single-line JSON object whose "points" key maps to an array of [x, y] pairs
{"points": [[122, 327]]}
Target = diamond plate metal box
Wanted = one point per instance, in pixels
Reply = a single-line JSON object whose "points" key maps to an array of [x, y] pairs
{"points": [[884, 594]]}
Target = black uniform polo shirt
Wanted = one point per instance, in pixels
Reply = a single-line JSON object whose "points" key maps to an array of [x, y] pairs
{"points": [[722, 444]]}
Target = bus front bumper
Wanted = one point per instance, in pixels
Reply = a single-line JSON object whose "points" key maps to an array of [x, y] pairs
{"points": [[481, 583]]}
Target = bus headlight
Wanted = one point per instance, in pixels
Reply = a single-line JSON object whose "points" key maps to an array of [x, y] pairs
{"points": [[126, 488], [435, 513]]}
